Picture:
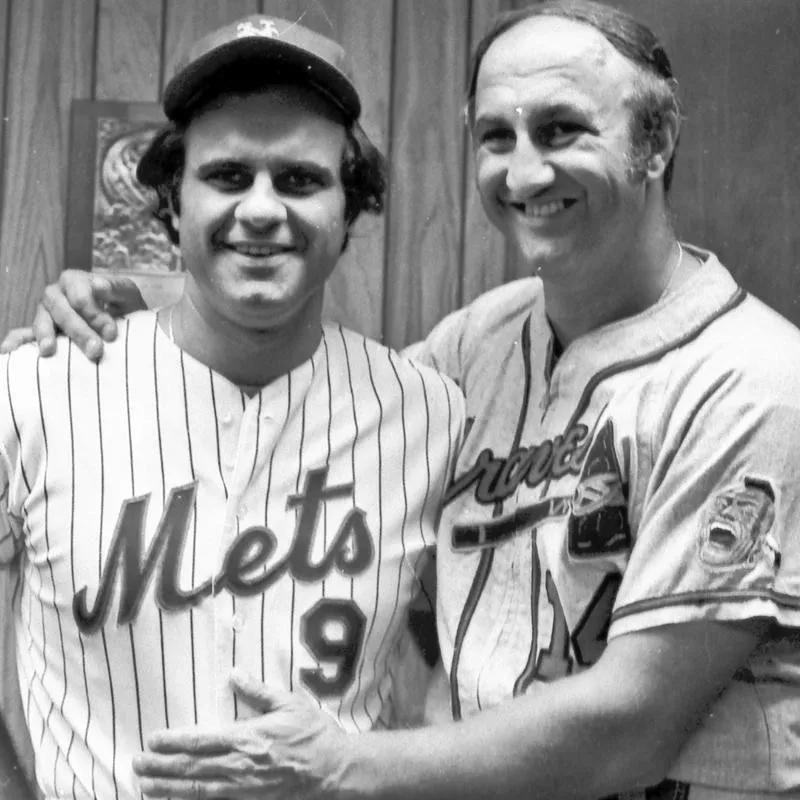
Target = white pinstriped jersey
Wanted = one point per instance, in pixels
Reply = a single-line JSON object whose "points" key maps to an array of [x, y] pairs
{"points": [[171, 528], [652, 477]]}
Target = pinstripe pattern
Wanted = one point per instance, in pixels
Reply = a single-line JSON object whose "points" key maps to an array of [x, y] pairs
{"points": [[345, 456], [50, 570], [102, 497], [193, 475], [291, 616], [85, 683], [133, 494]]}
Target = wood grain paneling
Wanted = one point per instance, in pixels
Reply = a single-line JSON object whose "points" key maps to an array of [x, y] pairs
{"points": [[5, 25], [50, 55], [737, 179], [48, 50], [355, 295], [423, 270], [10, 699], [485, 263], [129, 50], [736, 187]]}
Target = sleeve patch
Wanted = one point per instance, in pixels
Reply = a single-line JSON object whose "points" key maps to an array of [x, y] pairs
{"points": [[735, 532]]}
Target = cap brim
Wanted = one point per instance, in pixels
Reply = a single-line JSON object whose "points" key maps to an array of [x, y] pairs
{"points": [[191, 85]]}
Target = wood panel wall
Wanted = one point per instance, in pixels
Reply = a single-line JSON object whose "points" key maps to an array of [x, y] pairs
{"points": [[737, 185]]}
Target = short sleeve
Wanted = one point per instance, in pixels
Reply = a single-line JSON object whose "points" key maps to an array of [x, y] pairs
{"points": [[719, 498], [442, 348]]}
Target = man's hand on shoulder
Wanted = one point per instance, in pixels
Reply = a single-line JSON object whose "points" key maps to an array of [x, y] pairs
{"points": [[82, 306]]}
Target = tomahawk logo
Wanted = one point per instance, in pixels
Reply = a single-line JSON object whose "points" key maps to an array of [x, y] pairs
{"points": [[597, 510], [599, 522]]}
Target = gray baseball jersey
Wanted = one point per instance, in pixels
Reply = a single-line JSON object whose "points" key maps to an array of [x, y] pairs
{"points": [[171, 528], [648, 476]]}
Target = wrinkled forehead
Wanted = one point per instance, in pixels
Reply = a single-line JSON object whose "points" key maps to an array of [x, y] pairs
{"points": [[553, 54]]}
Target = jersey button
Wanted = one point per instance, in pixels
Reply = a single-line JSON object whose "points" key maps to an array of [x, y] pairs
{"points": [[227, 418], [237, 623]]}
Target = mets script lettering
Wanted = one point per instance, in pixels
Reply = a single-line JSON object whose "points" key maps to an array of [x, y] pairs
{"points": [[247, 568]]}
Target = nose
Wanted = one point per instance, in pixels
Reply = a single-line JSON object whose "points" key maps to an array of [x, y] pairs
{"points": [[528, 171], [261, 206]]}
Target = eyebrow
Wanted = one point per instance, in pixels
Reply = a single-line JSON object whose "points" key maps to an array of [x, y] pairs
{"points": [[227, 162], [543, 110], [217, 163]]}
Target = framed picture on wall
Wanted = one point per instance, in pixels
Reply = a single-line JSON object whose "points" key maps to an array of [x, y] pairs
{"points": [[109, 227]]}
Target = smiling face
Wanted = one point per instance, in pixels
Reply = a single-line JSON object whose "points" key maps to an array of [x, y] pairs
{"points": [[552, 144], [261, 218]]}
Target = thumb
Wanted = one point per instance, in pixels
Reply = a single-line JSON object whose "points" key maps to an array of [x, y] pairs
{"points": [[259, 696]]}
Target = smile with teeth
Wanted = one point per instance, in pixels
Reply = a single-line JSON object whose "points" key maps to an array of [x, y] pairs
{"points": [[258, 250], [539, 210]]}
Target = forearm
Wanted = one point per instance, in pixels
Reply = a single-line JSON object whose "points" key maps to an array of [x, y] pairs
{"points": [[13, 782], [617, 727], [551, 744]]}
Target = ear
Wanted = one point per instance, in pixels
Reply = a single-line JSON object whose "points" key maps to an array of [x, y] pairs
{"points": [[664, 142], [176, 217]]}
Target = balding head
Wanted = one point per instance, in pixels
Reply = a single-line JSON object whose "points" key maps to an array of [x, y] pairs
{"points": [[652, 95]]}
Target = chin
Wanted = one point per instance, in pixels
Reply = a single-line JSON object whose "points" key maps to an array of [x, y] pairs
{"points": [[544, 258], [537, 259]]}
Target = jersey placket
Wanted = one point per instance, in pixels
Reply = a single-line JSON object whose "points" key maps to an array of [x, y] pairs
{"points": [[242, 443]]}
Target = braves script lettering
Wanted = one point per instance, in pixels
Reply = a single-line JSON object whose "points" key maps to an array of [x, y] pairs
{"points": [[498, 478], [247, 568]]}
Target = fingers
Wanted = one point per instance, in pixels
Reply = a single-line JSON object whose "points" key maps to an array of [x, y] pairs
{"points": [[225, 776], [157, 765], [191, 741], [106, 298], [119, 294], [15, 338], [82, 306], [44, 331], [70, 306], [238, 785], [181, 787]]}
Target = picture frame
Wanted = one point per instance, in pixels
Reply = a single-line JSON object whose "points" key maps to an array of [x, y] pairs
{"points": [[109, 225]]}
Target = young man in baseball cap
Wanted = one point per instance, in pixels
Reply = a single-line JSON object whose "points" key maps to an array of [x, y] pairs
{"points": [[237, 485]]}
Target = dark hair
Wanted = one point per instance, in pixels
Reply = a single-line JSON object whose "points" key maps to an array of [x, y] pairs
{"points": [[655, 91], [363, 170]]}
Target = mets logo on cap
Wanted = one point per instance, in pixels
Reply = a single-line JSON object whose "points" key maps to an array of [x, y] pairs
{"points": [[265, 27], [736, 529]]}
